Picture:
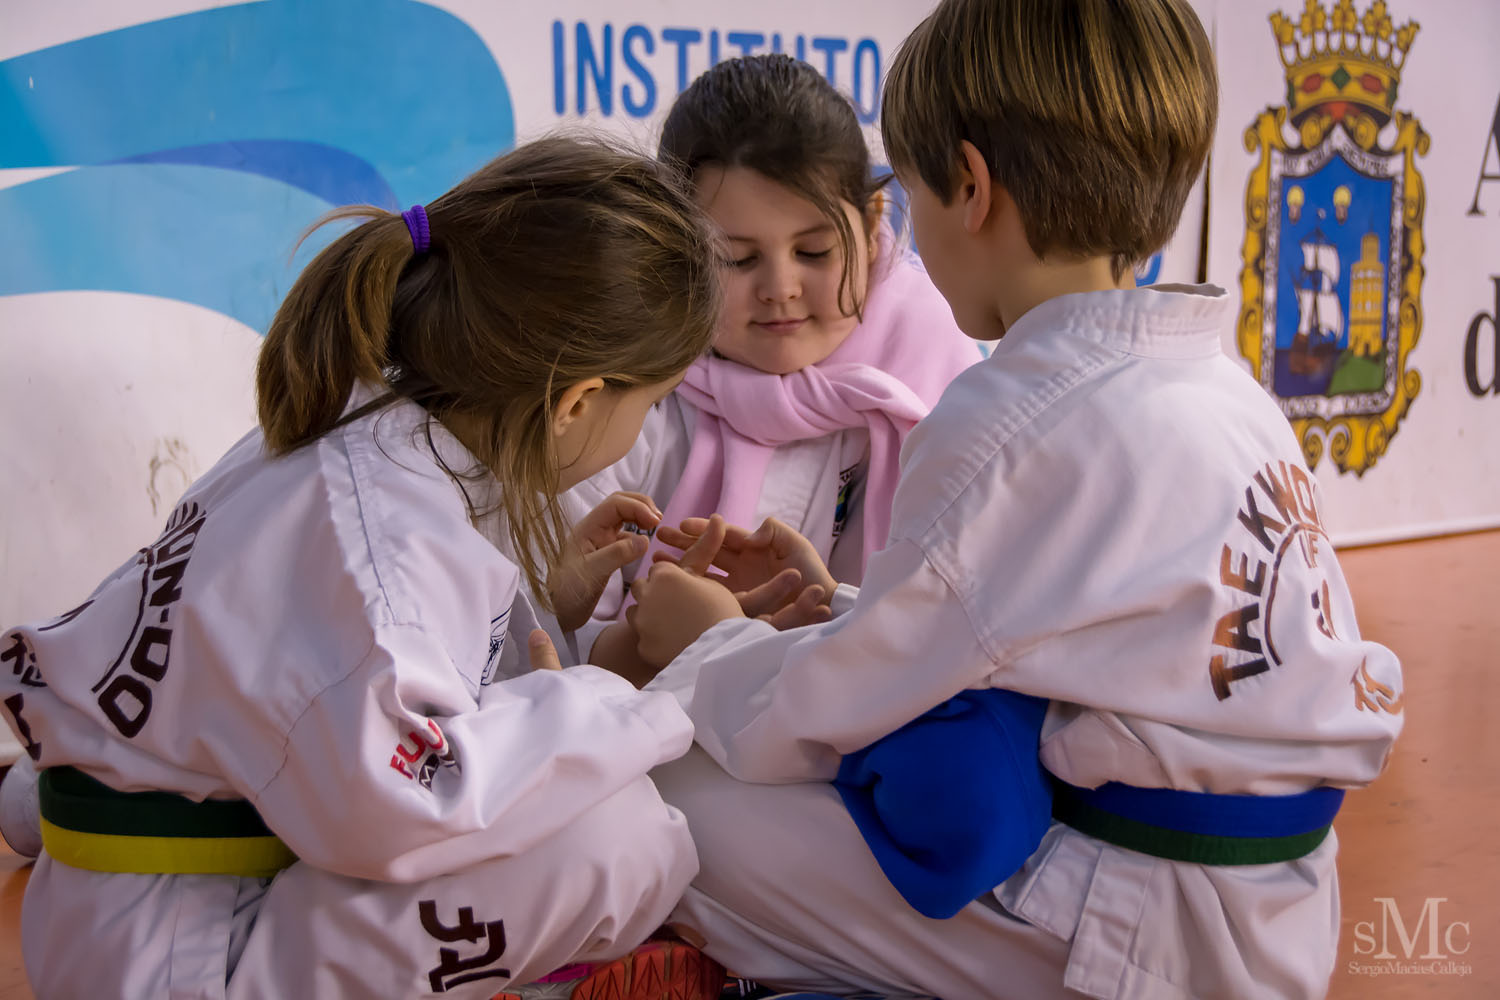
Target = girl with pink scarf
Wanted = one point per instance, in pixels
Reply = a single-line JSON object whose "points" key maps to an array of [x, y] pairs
{"points": [[832, 342]]}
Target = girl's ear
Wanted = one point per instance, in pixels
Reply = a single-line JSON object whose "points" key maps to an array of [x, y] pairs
{"points": [[976, 189], [575, 402], [874, 212]]}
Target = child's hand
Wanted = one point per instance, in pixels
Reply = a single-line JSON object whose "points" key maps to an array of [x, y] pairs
{"points": [[754, 560], [543, 653], [595, 550], [616, 650], [673, 608], [809, 608], [783, 601], [677, 601]]}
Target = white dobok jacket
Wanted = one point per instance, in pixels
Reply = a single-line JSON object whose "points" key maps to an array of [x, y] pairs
{"points": [[1108, 513], [325, 635]]}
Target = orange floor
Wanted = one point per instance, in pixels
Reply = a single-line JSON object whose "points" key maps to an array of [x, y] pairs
{"points": [[1423, 837], [1427, 829]]}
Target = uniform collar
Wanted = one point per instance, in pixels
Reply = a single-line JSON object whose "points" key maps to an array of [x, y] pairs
{"points": [[1163, 321], [403, 427]]}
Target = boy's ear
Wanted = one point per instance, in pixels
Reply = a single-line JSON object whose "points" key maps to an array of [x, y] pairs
{"points": [[976, 189], [574, 403]]}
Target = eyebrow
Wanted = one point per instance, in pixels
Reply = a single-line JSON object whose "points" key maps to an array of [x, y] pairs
{"points": [[822, 227]]}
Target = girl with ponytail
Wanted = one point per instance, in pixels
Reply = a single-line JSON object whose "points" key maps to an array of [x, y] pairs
{"points": [[309, 741]]}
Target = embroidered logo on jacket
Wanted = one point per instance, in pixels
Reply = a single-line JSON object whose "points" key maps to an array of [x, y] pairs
{"points": [[841, 505], [428, 751], [1277, 569], [22, 659], [124, 695], [1332, 276], [452, 969], [497, 646]]}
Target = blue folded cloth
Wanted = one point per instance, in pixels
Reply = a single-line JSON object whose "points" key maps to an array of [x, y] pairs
{"points": [[955, 801]]}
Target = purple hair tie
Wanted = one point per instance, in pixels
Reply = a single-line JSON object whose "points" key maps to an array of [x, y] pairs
{"points": [[416, 224]]}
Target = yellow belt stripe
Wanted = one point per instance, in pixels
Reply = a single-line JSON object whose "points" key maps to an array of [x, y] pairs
{"points": [[252, 857]]}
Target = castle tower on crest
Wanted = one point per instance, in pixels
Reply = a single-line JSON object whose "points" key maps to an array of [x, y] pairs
{"points": [[1366, 299]]}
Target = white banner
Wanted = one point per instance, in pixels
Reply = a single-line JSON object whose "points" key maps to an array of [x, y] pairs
{"points": [[1356, 211]]}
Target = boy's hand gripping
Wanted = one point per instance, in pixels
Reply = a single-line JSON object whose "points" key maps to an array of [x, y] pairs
{"points": [[600, 544], [685, 599]]}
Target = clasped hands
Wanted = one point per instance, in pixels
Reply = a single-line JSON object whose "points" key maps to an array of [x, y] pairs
{"points": [[772, 573], [725, 571]]}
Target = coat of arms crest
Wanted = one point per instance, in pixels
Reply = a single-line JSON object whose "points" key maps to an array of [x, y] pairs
{"points": [[1332, 259]]}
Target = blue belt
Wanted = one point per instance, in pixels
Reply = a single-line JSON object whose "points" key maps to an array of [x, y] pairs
{"points": [[1200, 827]]}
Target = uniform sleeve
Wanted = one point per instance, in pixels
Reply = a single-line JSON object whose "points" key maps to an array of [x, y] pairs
{"points": [[395, 773], [786, 706]]}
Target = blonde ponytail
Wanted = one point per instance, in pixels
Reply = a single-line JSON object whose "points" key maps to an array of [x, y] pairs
{"points": [[331, 330]]}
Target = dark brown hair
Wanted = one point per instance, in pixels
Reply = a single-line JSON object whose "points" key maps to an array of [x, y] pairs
{"points": [[777, 116], [560, 261], [1095, 115]]}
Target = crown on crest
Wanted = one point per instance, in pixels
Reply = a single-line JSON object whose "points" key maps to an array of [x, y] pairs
{"points": [[1342, 61]]}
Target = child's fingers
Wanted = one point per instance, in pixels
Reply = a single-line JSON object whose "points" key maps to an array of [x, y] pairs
{"points": [[775, 535], [600, 563], [692, 528], [700, 555], [628, 508], [722, 559], [763, 534], [668, 564], [641, 497], [676, 537], [667, 557], [811, 598], [807, 609], [543, 653], [642, 587], [772, 595]]}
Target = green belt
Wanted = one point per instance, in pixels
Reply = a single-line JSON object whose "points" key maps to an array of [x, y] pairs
{"points": [[1198, 827], [86, 824]]}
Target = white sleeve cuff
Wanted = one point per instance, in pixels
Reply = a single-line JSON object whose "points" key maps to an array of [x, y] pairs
{"points": [[666, 717], [844, 596]]}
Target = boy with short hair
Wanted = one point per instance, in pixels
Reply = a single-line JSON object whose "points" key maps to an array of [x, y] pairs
{"points": [[1107, 514]]}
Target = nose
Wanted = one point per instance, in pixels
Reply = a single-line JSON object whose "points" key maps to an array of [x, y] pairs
{"points": [[778, 280]]}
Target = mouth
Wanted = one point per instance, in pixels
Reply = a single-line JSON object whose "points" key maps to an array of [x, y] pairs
{"points": [[781, 326]]}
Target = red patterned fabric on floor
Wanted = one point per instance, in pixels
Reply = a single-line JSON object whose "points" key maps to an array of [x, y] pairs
{"points": [[657, 970]]}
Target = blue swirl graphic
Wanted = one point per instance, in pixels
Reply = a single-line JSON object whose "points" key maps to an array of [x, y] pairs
{"points": [[203, 145]]}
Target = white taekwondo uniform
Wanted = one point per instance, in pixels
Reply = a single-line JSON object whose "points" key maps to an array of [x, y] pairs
{"points": [[1110, 514], [325, 635]]}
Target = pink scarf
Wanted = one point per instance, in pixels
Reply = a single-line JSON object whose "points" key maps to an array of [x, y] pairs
{"points": [[885, 377]]}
